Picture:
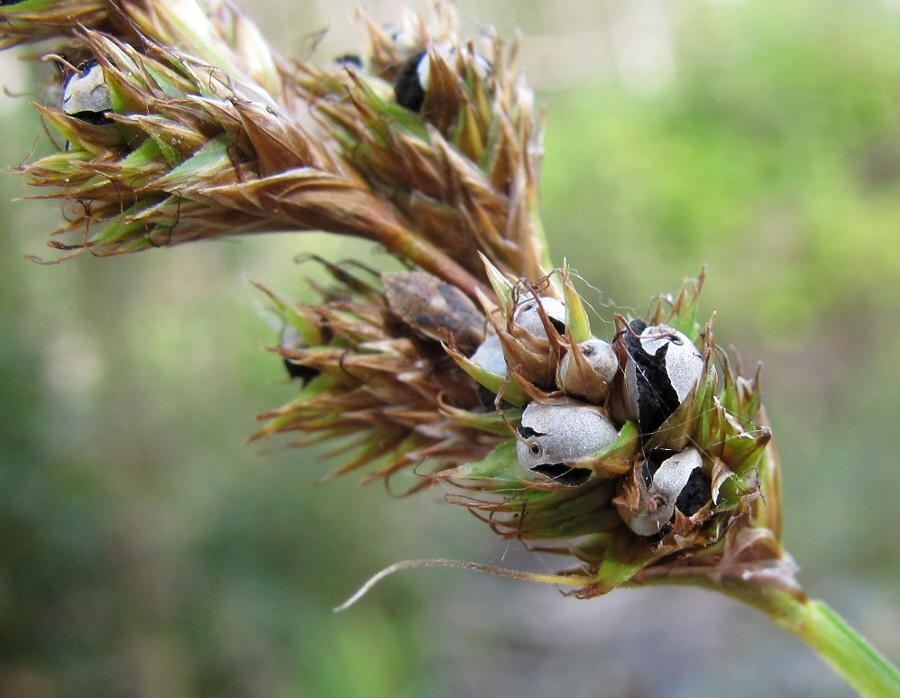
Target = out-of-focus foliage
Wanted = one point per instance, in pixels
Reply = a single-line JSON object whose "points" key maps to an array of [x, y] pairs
{"points": [[145, 552]]}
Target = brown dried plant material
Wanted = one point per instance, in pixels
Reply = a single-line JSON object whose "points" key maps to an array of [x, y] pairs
{"points": [[36, 20], [383, 379]]}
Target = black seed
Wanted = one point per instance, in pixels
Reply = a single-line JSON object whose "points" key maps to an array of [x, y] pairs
{"points": [[409, 92], [558, 324], [563, 474], [303, 373], [695, 494], [656, 398]]}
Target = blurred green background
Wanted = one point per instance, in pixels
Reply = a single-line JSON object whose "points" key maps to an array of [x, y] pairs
{"points": [[144, 551]]}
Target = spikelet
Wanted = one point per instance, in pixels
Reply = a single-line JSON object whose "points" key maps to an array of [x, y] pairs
{"points": [[378, 374], [28, 21], [208, 134]]}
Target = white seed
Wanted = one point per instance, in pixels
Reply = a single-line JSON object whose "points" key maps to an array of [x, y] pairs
{"points": [[658, 500], [684, 363], [598, 354], [85, 92], [528, 317], [489, 355], [447, 52], [555, 434]]}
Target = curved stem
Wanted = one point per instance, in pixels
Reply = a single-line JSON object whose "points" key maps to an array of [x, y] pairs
{"points": [[848, 652], [814, 622]]}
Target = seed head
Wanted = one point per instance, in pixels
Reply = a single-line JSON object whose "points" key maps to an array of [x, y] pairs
{"points": [[476, 365]]}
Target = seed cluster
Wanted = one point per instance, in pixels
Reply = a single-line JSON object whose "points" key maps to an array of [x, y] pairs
{"points": [[635, 430], [597, 388]]}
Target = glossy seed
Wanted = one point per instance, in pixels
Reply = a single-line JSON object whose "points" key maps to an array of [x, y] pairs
{"points": [[601, 363]]}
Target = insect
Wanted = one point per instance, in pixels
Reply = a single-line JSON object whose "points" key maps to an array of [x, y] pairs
{"points": [[433, 308], [668, 482], [662, 367], [85, 95], [553, 435]]}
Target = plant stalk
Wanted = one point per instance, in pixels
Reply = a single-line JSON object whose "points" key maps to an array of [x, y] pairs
{"points": [[844, 649], [869, 672]]}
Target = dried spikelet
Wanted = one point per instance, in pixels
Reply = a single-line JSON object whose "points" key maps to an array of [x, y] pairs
{"points": [[382, 378], [463, 171], [35, 20], [199, 156]]}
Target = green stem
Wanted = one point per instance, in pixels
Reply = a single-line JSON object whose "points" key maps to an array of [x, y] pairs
{"points": [[814, 622], [848, 652]]}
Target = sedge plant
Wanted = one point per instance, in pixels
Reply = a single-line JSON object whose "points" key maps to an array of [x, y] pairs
{"points": [[644, 460]]}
